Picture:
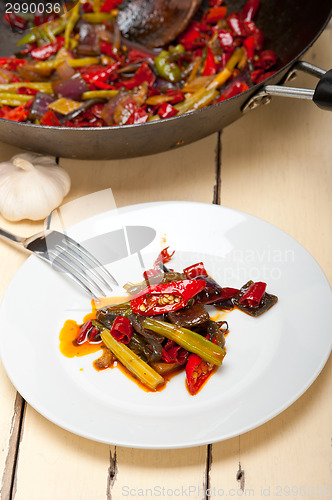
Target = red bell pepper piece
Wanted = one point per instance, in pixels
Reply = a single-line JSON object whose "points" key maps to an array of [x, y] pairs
{"points": [[45, 51], [163, 257], [50, 119], [215, 3], [143, 74], [253, 296], [159, 299], [215, 14], [210, 67], [122, 330], [166, 110], [190, 38], [195, 270], [197, 373], [249, 10]]}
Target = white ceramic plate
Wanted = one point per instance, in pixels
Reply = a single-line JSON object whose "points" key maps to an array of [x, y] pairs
{"points": [[270, 361]]}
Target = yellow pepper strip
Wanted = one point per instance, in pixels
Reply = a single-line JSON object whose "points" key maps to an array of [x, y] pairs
{"points": [[131, 361], [223, 76], [13, 99], [44, 87], [96, 6], [97, 17], [74, 63], [198, 100], [96, 94], [74, 17], [64, 106]]}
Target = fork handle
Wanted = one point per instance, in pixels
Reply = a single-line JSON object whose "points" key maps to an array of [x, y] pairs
{"points": [[10, 236]]}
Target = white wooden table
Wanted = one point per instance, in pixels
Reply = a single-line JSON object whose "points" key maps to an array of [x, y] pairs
{"points": [[275, 163]]}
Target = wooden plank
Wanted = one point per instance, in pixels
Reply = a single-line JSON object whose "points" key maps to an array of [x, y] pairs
{"points": [[54, 462], [276, 165]]}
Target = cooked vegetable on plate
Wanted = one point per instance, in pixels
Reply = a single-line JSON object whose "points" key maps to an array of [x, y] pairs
{"points": [[77, 70], [165, 325]]}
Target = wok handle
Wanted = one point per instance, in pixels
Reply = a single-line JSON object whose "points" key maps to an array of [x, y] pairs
{"points": [[322, 95]]}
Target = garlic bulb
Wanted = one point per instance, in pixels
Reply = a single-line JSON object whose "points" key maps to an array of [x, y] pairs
{"points": [[31, 186]]}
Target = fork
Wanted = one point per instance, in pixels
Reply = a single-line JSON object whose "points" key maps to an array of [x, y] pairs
{"points": [[68, 256]]}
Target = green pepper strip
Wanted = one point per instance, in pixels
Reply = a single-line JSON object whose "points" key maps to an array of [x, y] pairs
{"points": [[44, 87], [53, 28], [74, 63], [74, 17], [166, 68], [96, 94], [130, 360], [191, 341], [97, 17], [13, 99]]}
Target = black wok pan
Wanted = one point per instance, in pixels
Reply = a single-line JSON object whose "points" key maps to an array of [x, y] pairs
{"points": [[290, 28]]}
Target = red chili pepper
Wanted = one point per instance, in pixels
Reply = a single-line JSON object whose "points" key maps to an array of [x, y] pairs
{"points": [[235, 88], [106, 48], [122, 330], [136, 55], [20, 113], [15, 21], [236, 24], [88, 333], [197, 372], [174, 354], [215, 3], [50, 119], [226, 39], [259, 39], [45, 51], [249, 10], [159, 299], [267, 59], [195, 270], [177, 95], [253, 296], [250, 45], [214, 15], [210, 67], [11, 62], [166, 110], [99, 74], [27, 90], [143, 74], [163, 257], [138, 116], [109, 5], [149, 273], [190, 37]]}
